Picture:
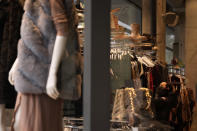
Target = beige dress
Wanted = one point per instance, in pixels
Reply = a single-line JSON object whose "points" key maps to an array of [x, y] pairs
{"points": [[40, 112]]}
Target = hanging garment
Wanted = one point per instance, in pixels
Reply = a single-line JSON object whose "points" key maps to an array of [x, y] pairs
{"points": [[176, 82], [122, 71], [160, 74], [191, 103], [151, 82], [148, 61], [10, 15], [136, 67], [162, 109]]}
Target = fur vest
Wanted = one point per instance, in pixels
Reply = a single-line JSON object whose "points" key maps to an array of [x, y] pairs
{"points": [[35, 47]]}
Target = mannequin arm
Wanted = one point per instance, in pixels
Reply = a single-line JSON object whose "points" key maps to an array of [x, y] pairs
{"points": [[58, 51], [11, 73]]}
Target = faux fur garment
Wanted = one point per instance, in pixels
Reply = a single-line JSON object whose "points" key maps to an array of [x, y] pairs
{"points": [[35, 48]]}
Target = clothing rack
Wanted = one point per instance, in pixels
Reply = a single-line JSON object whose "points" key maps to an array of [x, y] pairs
{"points": [[118, 52], [181, 77], [138, 48]]}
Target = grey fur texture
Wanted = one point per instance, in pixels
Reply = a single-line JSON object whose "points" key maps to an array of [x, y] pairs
{"points": [[35, 48]]}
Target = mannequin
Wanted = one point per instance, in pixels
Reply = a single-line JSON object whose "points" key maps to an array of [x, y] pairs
{"points": [[44, 42], [115, 28], [135, 34], [51, 87], [56, 58], [114, 19], [58, 52]]}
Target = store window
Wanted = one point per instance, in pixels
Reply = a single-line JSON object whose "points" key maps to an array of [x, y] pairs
{"points": [[170, 40], [143, 85], [108, 65], [144, 89], [132, 69]]}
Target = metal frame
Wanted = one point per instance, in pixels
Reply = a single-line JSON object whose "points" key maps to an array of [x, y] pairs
{"points": [[96, 99]]}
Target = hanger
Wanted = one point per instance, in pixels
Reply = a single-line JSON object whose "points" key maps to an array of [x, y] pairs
{"points": [[118, 51]]}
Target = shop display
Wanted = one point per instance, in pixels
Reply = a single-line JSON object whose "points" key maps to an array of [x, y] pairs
{"points": [[167, 98], [139, 69], [41, 55], [134, 36], [139, 96], [37, 71], [133, 105]]}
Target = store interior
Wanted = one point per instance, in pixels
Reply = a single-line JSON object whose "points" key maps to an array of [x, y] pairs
{"points": [[153, 59], [149, 85]]}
